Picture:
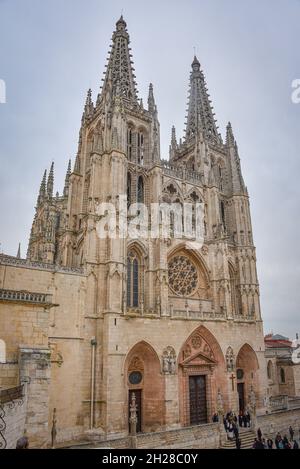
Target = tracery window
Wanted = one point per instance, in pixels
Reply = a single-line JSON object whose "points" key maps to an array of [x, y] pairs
{"points": [[140, 190], [140, 148], [129, 143], [128, 189], [132, 280], [183, 276]]}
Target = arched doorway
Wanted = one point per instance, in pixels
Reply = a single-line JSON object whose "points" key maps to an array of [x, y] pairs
{"points": [[201, 372], [246, 373], [143, 377]]}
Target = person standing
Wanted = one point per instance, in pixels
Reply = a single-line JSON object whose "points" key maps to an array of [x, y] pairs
{"points": [[278, 440], [270, 443], [238, 443], [259, 434], [291, 431], [295, 445], [285, 442]]}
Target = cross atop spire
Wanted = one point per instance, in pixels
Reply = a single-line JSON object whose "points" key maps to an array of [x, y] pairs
{"points": [[200, 112], [119, 77]]}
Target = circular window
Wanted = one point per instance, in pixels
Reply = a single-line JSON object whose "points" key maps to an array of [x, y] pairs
{"points": [[183, 277], [240, 373], [135, 377]]}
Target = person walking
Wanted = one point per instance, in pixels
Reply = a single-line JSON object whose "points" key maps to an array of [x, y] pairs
{"points": [[291, 431]]}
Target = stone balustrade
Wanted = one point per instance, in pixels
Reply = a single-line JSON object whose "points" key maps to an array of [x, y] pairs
{"points": [[25, 296], [15, 261]]}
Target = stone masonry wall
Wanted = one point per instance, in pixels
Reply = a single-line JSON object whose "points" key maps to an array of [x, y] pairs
{"points": [[280, 421]]}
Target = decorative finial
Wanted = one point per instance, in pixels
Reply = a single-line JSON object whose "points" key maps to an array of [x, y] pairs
{"points": [[67, 179]]}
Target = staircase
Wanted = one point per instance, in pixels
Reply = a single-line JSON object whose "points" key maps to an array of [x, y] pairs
{"points": [[247, 437]]}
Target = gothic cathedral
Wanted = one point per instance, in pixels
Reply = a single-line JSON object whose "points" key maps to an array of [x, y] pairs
{"points": [[90, 321]]}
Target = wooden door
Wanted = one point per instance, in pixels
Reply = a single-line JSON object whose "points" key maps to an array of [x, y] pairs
{"points": [[198, 403], [241, 393]]}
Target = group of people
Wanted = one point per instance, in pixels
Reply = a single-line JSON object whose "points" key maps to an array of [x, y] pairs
{"points": [[280, 442], [233, 423]]}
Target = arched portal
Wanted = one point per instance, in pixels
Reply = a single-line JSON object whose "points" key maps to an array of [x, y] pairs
{"points": [[247, 375], [201, 372], [143, 377]]}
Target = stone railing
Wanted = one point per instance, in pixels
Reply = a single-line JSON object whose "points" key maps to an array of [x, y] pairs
{"points": [[246, 317], [24, 296], [186, 174], [294, 402], [196, 315], [279, 403], [10, 260]]}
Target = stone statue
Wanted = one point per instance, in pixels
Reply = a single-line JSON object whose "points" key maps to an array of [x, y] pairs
{"points": [[133, 415], [166, 364], [169, 361], [172, 363]]}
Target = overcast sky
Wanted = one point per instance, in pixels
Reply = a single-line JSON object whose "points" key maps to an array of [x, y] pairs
{"points": [[52, 51]]}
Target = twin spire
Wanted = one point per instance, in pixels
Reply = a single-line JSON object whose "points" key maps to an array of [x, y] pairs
{"points": [[119, 78], [200, 115], [47, 184]]}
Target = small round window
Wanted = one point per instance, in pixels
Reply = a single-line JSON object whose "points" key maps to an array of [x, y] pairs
{"points": [[135, 377]]}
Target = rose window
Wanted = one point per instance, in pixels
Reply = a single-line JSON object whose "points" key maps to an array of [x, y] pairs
{"points": [[183, 277]]}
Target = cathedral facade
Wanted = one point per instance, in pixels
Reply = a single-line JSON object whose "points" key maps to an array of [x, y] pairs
{"points": [[86, 321]]}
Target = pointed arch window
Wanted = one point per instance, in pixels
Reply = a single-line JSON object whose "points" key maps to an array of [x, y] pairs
{"points": [[220, 178], [140, 190], [282, 375], [270, 370], [223, 218], [133, 272], [2, 351], [140, 148], [128, 190], [129, 143]]}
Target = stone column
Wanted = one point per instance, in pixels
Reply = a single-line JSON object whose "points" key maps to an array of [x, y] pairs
{"points": [[34, 366], [171, 401]]}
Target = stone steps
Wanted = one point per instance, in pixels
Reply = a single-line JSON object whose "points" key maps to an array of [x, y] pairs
{"points": [[247, 440]]}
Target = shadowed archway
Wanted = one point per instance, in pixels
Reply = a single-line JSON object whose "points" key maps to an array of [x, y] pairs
{"points": [[143, 376]]}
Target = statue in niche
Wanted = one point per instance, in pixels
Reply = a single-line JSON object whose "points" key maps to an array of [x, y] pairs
{"points": [[230, 359], [169, 361]]}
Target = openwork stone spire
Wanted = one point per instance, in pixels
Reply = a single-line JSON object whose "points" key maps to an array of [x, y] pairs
{"points": [[42, 192], [50, 182], [67, 180], [119, 78], [200, 115]]}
